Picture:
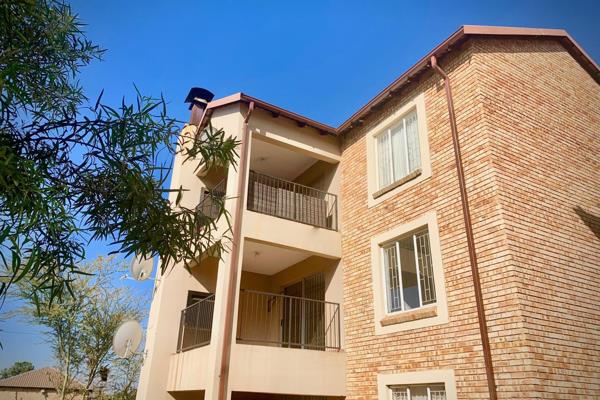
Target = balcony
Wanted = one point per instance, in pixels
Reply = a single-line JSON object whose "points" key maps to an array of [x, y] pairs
{"points": [[289, 200], [211, 200], [289, 338], [195, 325], [267, 319], [278, 320]]}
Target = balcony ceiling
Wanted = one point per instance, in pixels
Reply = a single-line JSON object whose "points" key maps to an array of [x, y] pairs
{"points": [[269, 260], [278, 161]]}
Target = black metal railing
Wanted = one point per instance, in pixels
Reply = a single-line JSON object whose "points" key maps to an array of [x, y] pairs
{"points": [[290, 200], [211, 200], [195, 325], [286, 321]]}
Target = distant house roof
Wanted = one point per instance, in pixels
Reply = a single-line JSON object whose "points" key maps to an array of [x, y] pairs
{"points": [[43, 378], [462, 34]]}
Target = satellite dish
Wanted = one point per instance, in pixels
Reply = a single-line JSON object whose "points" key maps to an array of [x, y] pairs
{"points": [[127, 339], [141, 268]]}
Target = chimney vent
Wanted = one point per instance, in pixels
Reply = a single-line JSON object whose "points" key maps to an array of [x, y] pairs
{"points": [[198, 99]]}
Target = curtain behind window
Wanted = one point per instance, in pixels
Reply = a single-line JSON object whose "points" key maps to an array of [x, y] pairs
{"points": [[412, 137], [399, 151], [383, 160]]}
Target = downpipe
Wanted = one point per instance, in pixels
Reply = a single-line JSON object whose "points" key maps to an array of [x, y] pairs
{"points": [[235, 256], [483, 330]]}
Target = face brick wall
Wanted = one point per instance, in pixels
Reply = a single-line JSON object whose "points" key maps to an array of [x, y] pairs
{"points": [[524, 108], [543, 113]]}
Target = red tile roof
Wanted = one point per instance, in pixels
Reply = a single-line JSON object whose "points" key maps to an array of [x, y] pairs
{"points": [[43, 378]]}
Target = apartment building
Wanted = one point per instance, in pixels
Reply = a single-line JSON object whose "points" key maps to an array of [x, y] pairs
{"points": [[351, 273]]}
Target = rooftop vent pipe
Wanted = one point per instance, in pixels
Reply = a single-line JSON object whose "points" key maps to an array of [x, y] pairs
{"points": [[198, 99]]}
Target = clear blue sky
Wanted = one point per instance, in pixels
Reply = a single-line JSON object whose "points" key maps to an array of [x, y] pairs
{"points": [[321, 59]]}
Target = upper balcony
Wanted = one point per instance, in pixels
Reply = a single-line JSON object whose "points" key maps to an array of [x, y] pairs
{"points": [[293, 201]]}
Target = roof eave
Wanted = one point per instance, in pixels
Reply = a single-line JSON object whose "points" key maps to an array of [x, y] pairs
{"points": [[453, 41], [275, 110], [456, 39], [390, 90]]}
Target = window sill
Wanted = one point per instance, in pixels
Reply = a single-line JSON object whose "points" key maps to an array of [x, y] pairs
{"points": [[416, 173], [407, 316]]}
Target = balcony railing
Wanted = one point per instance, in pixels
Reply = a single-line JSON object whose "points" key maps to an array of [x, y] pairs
{"points": [[286, 321], [195, 325], [290, 200], [211, 200]]}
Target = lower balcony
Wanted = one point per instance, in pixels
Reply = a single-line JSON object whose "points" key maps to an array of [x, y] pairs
{"points": [[285, 345], [195, 324], [284, 370], [279, 320], [288, 333], [267, 319]]}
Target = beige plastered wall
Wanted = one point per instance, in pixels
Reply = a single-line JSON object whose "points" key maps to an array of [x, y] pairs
{"points": [[196, 371], [171, 288], [296, 371], [286, 133]]}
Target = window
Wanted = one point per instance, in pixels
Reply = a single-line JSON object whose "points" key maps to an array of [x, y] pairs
{"points": [[398, 152], [408, 272], [435, 391], [408, 277]]}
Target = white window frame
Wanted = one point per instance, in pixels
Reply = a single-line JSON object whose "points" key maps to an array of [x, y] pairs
{"points": [[440, 376], [408, 393], [381, 313], [417, 104], [396, 243], [388, 133]]}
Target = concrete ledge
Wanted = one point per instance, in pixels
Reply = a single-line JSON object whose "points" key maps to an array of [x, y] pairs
{"points": [[285, 233], [406, 316], [413, 175], [189, 370], [264, 369]]}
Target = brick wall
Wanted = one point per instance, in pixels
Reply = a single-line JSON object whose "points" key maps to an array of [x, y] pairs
{"points": [[507, 157], [543, 112]]}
